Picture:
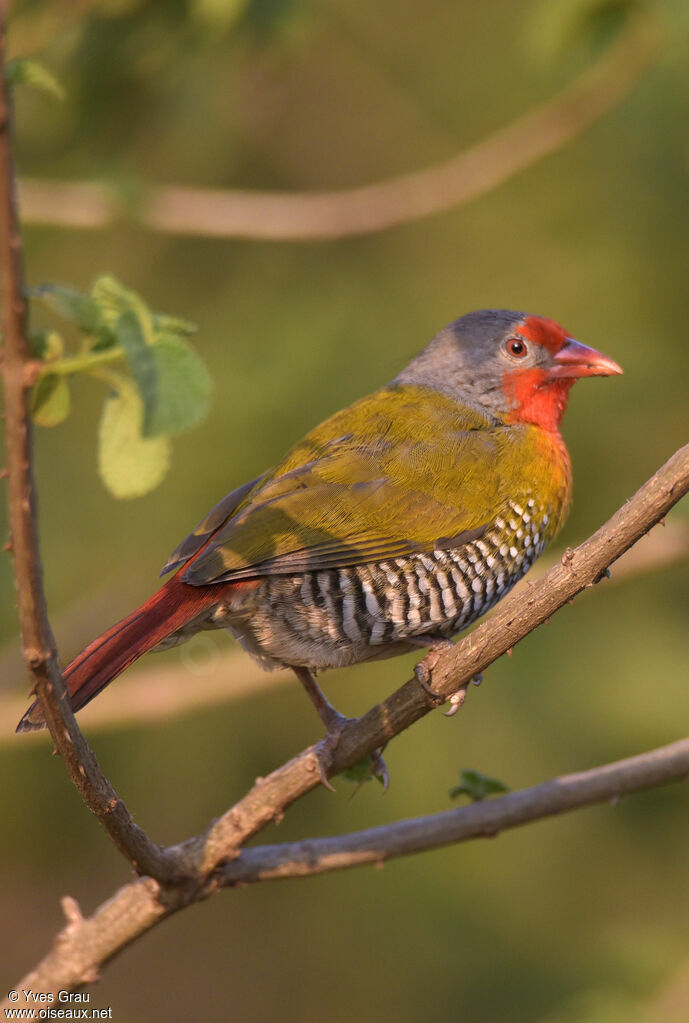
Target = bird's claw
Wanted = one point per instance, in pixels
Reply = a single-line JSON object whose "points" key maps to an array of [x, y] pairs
{"points": [[458, 698], [325, 749], [456, 701], [379, 769], [424, 670]]}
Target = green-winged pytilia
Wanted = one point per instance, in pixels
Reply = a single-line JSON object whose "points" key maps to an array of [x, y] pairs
{"points": [[392, 525]]}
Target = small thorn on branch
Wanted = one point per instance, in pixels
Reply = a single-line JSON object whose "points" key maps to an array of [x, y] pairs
{"points": [[32, 370], [72, 911]]}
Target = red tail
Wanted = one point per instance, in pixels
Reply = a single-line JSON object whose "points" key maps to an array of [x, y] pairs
{"points": [[175, 604]]}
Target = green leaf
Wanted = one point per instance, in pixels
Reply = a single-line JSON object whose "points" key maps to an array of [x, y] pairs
{"points": [[363, 770], [50, 400], [141, 361], [74, 306], [27, 71], [47, 345], [113, 299], [477, 786], [183, 387], [130, 464]]}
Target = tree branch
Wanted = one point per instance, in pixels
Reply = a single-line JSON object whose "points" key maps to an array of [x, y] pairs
{"points": [[310, 216], [38, 643], [153, 693], [516, 616], [197, 868], [85, 945], [479, 820]]}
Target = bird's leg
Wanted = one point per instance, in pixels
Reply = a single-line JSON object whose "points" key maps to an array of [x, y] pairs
{"points": [[332, 719], [334, 723]]}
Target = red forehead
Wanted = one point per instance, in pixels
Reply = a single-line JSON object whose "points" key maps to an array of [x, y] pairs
{"points": [[543, 331]]}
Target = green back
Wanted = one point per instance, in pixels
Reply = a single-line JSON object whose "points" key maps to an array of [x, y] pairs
{"points": [[403, 470]]}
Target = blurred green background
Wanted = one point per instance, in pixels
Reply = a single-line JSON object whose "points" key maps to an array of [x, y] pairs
{"points": [[581, 919]]}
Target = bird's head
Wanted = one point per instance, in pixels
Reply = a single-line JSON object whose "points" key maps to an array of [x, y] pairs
{"points": [[517, 366]]}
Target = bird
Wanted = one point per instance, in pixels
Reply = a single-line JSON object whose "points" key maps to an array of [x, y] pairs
{"points": [[393, 525]]}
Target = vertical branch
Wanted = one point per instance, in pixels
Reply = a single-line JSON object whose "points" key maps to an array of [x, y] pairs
{"points": [[38, 642]]}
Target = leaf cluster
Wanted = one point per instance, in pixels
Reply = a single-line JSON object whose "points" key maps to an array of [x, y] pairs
{"points": [[156, 384], [477, 786]]}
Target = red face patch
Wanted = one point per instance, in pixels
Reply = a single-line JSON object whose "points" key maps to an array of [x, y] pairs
{"points": [[543, 331], [536, 399]]}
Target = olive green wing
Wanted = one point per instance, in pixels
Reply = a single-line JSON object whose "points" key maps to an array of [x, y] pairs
{"points": [[208, 525], [402, 471]]}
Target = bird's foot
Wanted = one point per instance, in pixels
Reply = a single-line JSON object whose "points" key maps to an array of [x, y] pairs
{"points": [[424, 669], [379, 769], [424, 675], [335, 724], [458, 698], [371, 766]]}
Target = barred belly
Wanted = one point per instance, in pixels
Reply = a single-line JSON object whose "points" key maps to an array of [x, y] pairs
{"points": [[345, 615]]}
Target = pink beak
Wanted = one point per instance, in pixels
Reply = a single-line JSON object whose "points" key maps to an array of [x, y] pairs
{"points": [[576, 360]]}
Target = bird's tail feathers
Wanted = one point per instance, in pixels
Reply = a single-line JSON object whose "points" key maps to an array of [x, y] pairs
{"points": [[172, 606]]}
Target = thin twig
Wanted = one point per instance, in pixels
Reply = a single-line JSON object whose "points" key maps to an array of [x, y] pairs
{"points": [[309, 216], [38, 643]]}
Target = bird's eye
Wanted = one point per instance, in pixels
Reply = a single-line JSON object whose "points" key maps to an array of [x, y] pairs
{"points": [[516, 347]]}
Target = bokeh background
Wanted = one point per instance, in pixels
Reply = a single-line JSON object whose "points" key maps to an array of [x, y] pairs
{"points": [[583, 918]]}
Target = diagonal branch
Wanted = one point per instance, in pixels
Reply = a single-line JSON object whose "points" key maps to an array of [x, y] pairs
{"points": [[310, 216], [515, 617], [38, 643], [155, 693], [208, 859], [479, 820], [85, 945]]}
